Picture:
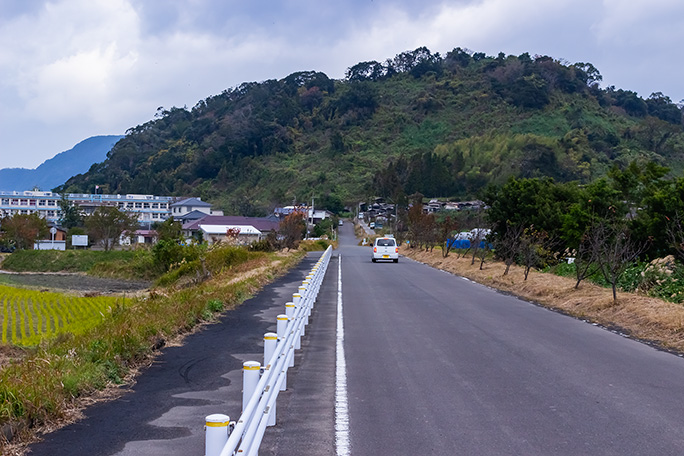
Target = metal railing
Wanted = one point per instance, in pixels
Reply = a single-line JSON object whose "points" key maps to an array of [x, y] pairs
{"points": [[261, 386]]}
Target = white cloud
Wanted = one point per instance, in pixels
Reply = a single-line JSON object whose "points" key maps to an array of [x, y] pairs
{"points": [[75, 68]]}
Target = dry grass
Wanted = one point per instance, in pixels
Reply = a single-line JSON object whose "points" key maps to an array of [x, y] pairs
{"points": [[649, 319]]}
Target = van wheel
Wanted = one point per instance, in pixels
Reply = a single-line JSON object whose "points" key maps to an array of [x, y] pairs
{"points": [[397, 260], [373, 260]]}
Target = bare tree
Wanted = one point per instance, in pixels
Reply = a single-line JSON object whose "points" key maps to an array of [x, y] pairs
{"points": [[586, 257], [446, 228], [615, 250], [507, 245], [675, 233], [477, 243]]}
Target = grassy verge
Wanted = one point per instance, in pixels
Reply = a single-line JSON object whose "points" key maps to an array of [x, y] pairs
{"points": [[55, 378], [124, 264], [649, 319]]}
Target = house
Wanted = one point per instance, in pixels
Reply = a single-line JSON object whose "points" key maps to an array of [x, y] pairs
{"points": [[309, 213], [190, 205], [148, 237], [213, 234], [214, 228]]}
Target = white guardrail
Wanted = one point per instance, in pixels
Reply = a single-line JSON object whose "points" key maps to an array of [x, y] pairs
{"points": [[260, 390]]}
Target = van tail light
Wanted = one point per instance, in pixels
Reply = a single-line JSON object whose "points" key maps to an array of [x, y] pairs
{"points": [[375, 250], [396, 250]]}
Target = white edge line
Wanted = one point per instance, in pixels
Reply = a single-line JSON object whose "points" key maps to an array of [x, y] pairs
{"points": [[342, 443]]}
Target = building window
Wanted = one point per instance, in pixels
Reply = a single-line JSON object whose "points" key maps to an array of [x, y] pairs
{"points": [[41, 202], [146, 205], [52, 203], [5, 201], [138, 205], [155, 205]]}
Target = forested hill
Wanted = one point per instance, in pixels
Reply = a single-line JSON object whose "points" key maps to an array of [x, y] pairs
{"points": [[442, 125]]}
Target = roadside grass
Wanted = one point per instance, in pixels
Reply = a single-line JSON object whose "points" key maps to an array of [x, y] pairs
{"points": [[136, 264], [650, 319], [49, 383], [318, 245]]}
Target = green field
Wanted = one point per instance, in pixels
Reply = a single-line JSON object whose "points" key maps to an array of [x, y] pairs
{"points": [[29, 316]]}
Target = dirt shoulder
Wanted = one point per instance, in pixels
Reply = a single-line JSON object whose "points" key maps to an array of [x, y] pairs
{"points": [[651, 320], [72, 283]]}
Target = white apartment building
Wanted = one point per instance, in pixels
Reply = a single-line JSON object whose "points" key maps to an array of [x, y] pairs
{"points": [[149, 208]]}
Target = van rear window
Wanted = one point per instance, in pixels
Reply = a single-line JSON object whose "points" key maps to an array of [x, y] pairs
{"points": [[385, 242]]}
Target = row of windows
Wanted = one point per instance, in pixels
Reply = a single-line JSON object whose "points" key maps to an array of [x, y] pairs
{"points": [[53, 213], [142, 205], [11, 212], [27, 202], [43, 203]]}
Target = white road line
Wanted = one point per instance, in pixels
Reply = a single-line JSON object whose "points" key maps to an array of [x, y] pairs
{"points": [[342, 443]]}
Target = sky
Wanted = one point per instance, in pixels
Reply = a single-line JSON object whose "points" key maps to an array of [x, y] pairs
{"points": [[71, 69]]}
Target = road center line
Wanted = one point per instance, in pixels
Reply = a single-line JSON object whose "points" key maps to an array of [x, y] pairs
{"points": [[342, 443]]}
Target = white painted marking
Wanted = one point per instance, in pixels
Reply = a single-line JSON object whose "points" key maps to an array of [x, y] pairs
{"points": [[342, 443]]}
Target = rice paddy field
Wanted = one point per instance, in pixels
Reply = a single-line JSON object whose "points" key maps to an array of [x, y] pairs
{"points": [[29, 316]]}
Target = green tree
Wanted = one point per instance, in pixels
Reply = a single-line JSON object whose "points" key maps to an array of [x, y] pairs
{"points": [[108, 223], [23, 230], [71, 214], [169, 230]]}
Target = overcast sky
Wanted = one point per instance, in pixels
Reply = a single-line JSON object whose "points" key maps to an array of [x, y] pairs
{"points": [[71, 69]]}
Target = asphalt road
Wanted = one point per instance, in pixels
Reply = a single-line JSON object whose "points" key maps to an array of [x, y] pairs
{"points": [[435, 365], [442, 366], [164, 412]]}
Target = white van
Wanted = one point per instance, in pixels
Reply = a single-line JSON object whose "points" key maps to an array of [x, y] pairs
{"points": [[385, 248]]}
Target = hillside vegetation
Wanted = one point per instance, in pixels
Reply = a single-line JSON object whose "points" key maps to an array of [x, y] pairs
{"points": [[420, 122]]}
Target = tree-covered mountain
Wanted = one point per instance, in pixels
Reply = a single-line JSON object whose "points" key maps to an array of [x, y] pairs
{"points": [[58, 169], [441, 125]]}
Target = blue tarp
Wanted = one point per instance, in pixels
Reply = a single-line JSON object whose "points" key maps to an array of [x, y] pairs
{"points": [[462, 243]]}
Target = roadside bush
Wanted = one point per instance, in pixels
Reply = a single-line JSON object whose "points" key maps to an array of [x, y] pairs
{"points": [[661, 278], [168, 252], [222, 257], [269, 244]]}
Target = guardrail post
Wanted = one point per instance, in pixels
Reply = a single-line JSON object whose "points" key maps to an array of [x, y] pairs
{"points": [[270, 342], [282, 335], [281, 326], [250, 378], [296, 298], [216, 432], [302, 292]]}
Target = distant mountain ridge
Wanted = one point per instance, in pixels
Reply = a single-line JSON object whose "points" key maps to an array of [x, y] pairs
{"points": [[58, 169], [444, 126]]}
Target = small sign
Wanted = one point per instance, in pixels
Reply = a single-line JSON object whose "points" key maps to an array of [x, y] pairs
{"points": [[79, 240], [53, 230]]}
